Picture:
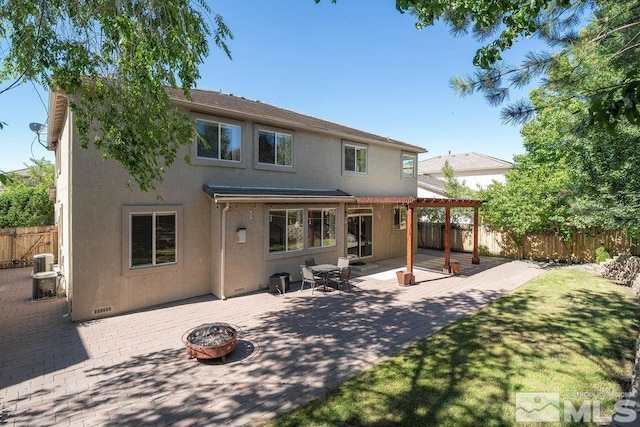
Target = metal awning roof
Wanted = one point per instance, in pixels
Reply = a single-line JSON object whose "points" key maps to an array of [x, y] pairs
{"points": [[229, 194]]}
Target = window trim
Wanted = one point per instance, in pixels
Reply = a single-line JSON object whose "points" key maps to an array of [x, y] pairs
{"points": [[414, 157], [256, 149], [127, 213], [357, 147], [205, 161]]}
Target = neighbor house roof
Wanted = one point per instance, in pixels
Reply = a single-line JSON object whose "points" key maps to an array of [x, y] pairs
{"points": [[241, 107], [462, 162], [432, 184]]}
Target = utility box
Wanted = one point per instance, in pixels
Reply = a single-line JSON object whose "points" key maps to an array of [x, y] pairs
{"points": [[279, 283]]}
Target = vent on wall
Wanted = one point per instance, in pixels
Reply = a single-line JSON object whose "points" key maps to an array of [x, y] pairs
{"points": [[101, 310], [238, 290]]}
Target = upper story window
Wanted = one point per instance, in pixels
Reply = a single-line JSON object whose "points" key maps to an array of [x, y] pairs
{"points": [[219, 141], [355, 158], [275, 148], [408, 165]]}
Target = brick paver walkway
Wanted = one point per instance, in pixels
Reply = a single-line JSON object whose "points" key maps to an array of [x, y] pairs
{"points": [[132, 369]]}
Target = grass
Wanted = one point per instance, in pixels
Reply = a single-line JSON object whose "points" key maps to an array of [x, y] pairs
{"points": [[566, 332]]}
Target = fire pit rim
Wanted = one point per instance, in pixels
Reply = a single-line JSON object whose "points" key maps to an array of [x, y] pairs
{"points": [[212, 351]]}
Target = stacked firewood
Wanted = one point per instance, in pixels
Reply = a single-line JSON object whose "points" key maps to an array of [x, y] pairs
{"points": [[622, 268]]}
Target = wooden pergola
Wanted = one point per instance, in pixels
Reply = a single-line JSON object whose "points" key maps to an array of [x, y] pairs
{"points": [[411, 203]]}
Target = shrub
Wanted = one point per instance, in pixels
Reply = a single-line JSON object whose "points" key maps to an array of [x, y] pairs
{"points": [[602, 254]]}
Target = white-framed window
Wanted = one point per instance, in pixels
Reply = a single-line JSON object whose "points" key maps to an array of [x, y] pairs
{"points": [[275, 148], [355, 158], [408, 165], [400, 218], [152, 237], [286, 233], [322, 227], [218, 141]]}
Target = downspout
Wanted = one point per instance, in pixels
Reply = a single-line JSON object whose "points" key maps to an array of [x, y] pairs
{"points": [[223, 239]]}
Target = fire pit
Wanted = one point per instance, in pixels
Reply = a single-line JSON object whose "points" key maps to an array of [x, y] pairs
{"points": [[211, 340]]}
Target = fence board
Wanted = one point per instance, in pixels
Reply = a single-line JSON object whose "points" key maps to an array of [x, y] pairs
{"points": [[19, 245], [538, 246]]}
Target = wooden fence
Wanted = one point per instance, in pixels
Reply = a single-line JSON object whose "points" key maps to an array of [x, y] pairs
{"points": [[538, 246], [19, 245]]}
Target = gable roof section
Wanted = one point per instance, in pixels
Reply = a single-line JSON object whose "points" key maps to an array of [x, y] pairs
{"points": [[463, 162], [212, 102], [431, 183], [242, 108]]}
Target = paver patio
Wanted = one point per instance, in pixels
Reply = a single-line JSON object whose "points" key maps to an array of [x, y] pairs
{"points": [[132, 369]]}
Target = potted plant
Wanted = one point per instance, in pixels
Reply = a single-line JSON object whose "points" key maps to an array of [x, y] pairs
{"points": [[405, 278]]}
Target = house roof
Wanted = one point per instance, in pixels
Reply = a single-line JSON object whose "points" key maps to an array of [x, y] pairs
{"points": [[228, 104], [228, 194], [213, 102], [431, 183], [462, 162]]}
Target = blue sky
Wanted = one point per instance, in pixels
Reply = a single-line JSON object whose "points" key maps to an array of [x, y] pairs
{"points": [[358, 63]]}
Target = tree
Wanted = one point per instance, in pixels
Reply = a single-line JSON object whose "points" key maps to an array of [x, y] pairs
{"points": [[614, 30], [114, 59], [24, 202], [574, 175]]}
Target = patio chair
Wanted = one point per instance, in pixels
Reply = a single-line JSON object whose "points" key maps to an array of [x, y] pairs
{"points": [[310, 262], [343, 279], [309, 278], [343, 262]]}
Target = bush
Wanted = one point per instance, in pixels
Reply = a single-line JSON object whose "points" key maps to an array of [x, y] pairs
{"points": [[602, 254]]}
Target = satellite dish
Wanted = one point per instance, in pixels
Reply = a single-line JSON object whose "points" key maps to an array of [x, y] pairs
{"points": [[36, 127]]}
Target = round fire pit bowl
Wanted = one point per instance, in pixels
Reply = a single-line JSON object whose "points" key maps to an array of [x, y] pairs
{"points": [[211, 340]]}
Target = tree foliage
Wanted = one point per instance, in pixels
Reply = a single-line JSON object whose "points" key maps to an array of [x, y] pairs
{"points": [[24, 202], [114, 59], [574, 175]]}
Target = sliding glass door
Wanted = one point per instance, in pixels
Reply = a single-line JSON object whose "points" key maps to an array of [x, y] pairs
{"points": [[360, 233]]}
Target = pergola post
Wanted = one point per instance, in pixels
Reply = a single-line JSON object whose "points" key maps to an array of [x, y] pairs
{"points": [[476, 256], [447, 240], [410, 238]]}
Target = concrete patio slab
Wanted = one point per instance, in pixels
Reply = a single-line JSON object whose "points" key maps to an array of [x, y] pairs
{"points": [[133, 369]]}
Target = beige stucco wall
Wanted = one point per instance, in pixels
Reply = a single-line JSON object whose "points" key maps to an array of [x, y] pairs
{"points": [[99, 280]]}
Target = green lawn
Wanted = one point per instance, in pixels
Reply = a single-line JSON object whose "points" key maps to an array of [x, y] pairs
{"points": [[565, 332]]}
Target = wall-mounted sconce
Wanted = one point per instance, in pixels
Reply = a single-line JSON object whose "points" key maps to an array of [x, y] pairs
{"points": [[242, 234]]}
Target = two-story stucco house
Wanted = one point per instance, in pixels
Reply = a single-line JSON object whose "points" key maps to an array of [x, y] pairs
{"points": [[272, 188]]}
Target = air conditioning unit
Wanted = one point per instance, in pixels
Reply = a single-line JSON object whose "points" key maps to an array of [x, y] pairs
{"points": [[42, 263], [45, 285]]}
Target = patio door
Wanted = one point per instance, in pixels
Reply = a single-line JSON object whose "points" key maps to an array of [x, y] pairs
{"points": [[360, 233]]}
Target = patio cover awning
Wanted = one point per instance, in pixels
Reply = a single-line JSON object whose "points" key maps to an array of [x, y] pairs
{"points": [[229, 194]]}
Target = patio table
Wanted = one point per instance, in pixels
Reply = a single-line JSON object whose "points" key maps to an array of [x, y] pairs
{"points": [[324, 270]]}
